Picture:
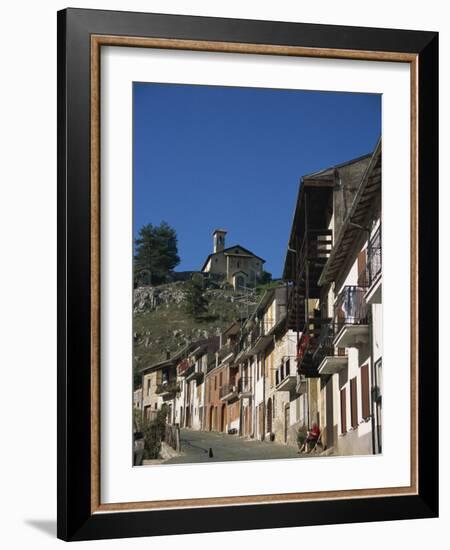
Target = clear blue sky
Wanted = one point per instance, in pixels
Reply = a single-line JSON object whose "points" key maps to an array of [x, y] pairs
{"points": [[207, 157]]}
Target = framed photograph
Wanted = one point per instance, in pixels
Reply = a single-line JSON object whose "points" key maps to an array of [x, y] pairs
{"points": [[247, 274]]}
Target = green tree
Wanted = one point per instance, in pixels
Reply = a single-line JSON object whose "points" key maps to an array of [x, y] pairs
{"points": [[196, 302], [266, 277], [156, 251], [154, 431]]}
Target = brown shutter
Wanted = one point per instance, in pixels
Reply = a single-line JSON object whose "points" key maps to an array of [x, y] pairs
{"points": [[353, 403], [365, 395], [362, 268], [344, 410]]}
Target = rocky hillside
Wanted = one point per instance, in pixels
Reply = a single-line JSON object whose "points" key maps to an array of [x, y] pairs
{"points": [[162, 325]]}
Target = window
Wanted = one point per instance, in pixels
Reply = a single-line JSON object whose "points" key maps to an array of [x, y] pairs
{"points": [[344, 410], [149, 385], [215, 382], [354, 403], [365, 392], [156, 406], [220, 380]]}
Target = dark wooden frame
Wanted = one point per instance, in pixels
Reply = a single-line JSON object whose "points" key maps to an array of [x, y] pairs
{"points": [[80, 35]]}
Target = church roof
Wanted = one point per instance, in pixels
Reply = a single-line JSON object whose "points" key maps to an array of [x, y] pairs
{"points": [[229, 249]]}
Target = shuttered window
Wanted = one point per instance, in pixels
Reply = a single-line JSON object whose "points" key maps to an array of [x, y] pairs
{"points": [[353, 403], [344, 410], [365, 392], [362, 268]]}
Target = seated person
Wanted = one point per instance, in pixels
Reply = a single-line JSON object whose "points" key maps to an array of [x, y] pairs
{"points": [[312, 437]]}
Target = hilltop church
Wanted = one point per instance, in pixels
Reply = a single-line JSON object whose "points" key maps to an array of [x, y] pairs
{"points": [[239, 266]]}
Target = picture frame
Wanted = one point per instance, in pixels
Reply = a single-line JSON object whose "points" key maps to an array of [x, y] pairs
{"points": [[81, 35]]}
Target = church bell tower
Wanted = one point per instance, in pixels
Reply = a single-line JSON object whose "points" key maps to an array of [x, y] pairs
{"points": [[219, 240]]}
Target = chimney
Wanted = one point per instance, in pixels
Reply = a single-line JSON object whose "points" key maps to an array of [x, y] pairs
{"points": [[219, 240]]}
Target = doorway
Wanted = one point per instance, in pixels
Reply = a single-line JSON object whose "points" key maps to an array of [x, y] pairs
{"points": [[269, 415], [287, 417], [223, 418]]}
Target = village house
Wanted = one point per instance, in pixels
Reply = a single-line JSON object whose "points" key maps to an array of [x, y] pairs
{"points": [[191, 371], [222, 409], [160, 386], [278, 410], [262, 329], [336, 218], [351, 283], [238, 265], [228, 391]]}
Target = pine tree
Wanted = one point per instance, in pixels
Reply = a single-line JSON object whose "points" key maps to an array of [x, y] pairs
{"points": [[156, 251]]}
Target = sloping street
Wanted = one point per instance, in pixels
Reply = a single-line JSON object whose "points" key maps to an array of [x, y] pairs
{"points": [[196, 446]]}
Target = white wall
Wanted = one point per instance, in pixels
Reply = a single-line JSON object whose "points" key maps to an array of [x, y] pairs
{"points": [[28, 296]]}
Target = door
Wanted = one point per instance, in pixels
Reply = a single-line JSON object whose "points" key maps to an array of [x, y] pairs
{"points": [[223, 418], [287, 416], [269, 415]]}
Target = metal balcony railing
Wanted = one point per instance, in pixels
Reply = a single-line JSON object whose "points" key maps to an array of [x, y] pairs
{"points": [[167, 387], [325, 347], [227, 389], [244, 384], [374, 257], [283, 371], [350, 307]]}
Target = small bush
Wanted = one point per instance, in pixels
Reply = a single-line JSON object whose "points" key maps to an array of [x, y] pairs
{"points": [[302, 434], [154, 431]]}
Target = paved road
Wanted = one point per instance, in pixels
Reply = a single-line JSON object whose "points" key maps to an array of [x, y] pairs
{"points": [[195, 446]]}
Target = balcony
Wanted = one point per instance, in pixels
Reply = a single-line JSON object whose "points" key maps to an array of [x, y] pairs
{"points": [[257, 339], [374, 265], [244, 387], [195, 373], [284, 379], [301, 386], [229, 393], [166, 389], [328, 358], [306, 349], [184, 368], [350, 318]]}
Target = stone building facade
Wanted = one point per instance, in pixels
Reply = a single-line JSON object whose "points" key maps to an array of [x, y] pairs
{"points": [[240, 267]]}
